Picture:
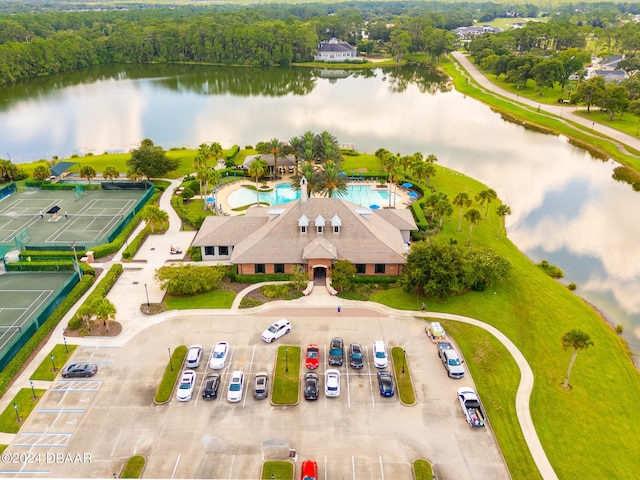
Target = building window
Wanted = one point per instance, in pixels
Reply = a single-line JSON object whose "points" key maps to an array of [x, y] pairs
{"points": [[320, 229], [361, 268], [278, 268], [259, 268], [303, 229], [380, 268], [336, 229], [223, 250], [210, 250]]}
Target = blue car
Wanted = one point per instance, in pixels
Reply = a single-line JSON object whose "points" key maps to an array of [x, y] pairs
{"points": [[385, 383]]}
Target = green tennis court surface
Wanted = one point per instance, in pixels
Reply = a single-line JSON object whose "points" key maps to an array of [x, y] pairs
{"points": [[57, 218]]}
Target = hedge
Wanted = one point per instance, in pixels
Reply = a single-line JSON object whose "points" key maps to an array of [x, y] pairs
{"points": [[134, 245], [14, 366], [101, 290], [233, 151], [374, 279], [48, 266], [193, 220], [260, 277]]}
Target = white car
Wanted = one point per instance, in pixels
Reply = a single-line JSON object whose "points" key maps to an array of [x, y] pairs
{"points": [[193, 356], [380, 359], [187, 383], [332, 383], [234, 394], [276, 330], [219, 356]]}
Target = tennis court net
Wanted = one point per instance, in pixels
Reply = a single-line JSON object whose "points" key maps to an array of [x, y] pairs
{"points": [[95, 217], [21, 215]]}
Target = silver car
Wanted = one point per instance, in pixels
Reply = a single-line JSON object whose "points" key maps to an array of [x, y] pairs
{"points": [[261, 386]]}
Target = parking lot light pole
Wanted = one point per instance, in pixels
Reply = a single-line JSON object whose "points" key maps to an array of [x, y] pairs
{"points": [[170, 359], [286, 359], [15, 406], [404, 356], [53, 363], [33, 390], [147, 292], [66, 349]]}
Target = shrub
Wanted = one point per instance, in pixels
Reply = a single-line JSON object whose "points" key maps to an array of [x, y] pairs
{"points": [[259, 277], [189, 279], [572, 286], [551, 270], [195, 253], [276, 291], [619, 329], [187, 193]]}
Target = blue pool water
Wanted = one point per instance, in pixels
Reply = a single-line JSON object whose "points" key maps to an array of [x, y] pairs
{"points": [[360, 194]]}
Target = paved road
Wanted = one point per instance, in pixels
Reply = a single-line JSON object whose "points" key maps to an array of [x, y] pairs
{"points": [[565, 112]]}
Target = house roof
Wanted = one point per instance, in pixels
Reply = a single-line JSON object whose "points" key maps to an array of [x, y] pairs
{"points": [[267, 157], [334, 45], [61, 167], [365, 236]]}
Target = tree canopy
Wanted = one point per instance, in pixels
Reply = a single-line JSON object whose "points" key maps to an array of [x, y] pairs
{"points": [[150, 160]]}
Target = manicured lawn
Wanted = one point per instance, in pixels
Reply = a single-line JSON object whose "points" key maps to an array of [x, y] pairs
{"points": [[60, 359], [133, 468], [277, 470], [534, 311], [26, 403], [215, 299], [402, 376], [286, 381], [171, 373]]}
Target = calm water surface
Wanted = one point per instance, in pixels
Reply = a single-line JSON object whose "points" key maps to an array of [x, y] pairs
{"points": [[565, 206]]}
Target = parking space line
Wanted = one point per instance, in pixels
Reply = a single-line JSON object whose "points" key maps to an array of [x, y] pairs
{"points": [[381, 467], [175, 467], [100, 346], [353, 468], [26, 472], [348, 388], [233, 459], [325, 467], [77, 386], [43, 439], [61, 410]]}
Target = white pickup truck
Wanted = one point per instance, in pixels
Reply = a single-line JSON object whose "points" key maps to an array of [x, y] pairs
{"points": [[450, 360], [471, 407]]}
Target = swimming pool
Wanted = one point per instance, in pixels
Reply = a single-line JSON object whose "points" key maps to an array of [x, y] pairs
{"points": [[283, 193]]}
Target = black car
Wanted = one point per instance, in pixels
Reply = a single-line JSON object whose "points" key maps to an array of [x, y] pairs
{"points": [[336, 351], [80, 370], [385, 383], [355, 355], [211, 385], [311, 386]]}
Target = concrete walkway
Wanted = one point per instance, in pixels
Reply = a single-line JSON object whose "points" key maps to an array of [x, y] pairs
{"points": [[137, 286], [565, 112]]}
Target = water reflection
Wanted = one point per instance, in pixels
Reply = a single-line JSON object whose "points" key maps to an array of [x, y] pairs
{"points": [[566, 207]]}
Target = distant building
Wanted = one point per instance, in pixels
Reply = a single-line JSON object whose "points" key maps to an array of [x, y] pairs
{"points": [[612, 76], [469, 32], [335, 51]]}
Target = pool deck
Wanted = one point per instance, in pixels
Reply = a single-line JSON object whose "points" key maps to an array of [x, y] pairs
{"points": [[222, 193]]}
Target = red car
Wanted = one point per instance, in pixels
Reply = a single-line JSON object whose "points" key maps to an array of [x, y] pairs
{"points": [[313, 356], [309, 470]]}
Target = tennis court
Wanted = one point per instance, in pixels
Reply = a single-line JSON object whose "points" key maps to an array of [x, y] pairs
{"points": [[52, 219], [26, 300]]}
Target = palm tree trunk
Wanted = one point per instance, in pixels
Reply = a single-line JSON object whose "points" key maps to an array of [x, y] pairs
{"points": [[469, 239], [573, 359], [257, 193], [460, 220]]}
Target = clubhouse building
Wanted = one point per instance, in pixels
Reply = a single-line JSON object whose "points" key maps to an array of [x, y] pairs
{"points": [[312, 232]]}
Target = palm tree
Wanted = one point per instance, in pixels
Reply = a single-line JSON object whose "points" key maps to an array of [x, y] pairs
{"points": [[491, 196], [383, 155], [394, 174], [442, 207], [200, 165], [502, 211], [104, 311], [153, 216], [431, 158], [110, 172], [277, 149], [461, 200], [327, 148], [333, 183], [578, 340], [428, 171], [482, 197], [257, 169], [473, 216], [303, 148]]}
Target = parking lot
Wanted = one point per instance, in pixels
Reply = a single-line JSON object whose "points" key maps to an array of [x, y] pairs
{"points": [[111, 416]]}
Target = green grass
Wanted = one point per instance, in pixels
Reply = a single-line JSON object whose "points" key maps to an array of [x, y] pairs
{"points": [[534, 311], [422, 470], [60, 359], [629, 123], [286, 380], [194, 207], [214, 299], [171, 373], [403, 376], [133, 468], [26, 403], [3, 448], [277, 470], [363, 162], [579, 135]]}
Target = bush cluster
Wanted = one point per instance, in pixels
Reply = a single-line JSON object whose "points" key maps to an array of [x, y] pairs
{"points": [[259, 277], [100, 292], [551, 270], [193, 220], [13, 367], [134, 245]]}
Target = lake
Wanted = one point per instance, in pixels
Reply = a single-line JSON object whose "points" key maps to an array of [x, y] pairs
{"points": [[565, 206]]}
